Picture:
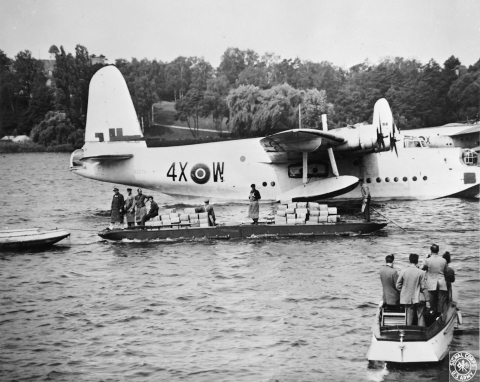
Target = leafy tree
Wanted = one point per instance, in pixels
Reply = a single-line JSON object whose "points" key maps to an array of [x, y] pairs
{"points": [[72, 77], [190, 108], [257, 76], [243, 104], [201, 72], [178, 77], [216, 106], [234, 61], [465, 94], [255, 112], [8, 86], [218, 85], [54, 129], [314, 104]]}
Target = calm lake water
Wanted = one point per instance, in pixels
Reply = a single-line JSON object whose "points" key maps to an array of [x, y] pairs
{"points": [[256, 310]]}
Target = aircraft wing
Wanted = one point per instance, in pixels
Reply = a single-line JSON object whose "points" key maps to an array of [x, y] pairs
{"points": [[470, 130], [106, 158], [301, 140]]}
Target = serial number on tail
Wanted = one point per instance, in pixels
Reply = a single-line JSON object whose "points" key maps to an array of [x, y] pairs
{"points": [[199, 173]]}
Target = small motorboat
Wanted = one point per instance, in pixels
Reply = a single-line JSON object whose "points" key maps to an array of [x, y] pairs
{"points": [[31, 238], [394, 341]]}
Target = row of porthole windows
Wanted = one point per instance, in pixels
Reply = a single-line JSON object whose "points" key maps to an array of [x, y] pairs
{"points": [[369, 180], [264, 184], [405, 179]]}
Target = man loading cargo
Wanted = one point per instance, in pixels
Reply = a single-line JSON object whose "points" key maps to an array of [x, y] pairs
{"points": [[209, 210], [153, 210], [366, 200]]}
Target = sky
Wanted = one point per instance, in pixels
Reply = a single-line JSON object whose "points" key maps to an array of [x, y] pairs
{"points": [[343, 32]]}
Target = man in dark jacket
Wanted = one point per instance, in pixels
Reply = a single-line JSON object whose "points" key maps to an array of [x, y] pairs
{"points": [[389, 277], [153, 210], [449, 275], [117, 211]]}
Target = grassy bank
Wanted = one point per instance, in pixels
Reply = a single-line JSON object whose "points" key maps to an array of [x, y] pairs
{"points": [[30, 147]]}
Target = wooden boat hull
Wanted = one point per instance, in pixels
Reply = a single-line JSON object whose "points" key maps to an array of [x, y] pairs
{"points": [[30, 239], [242, 231], [417, 345]]}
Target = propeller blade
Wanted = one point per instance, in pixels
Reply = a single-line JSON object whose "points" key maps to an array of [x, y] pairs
{"points": [[393, 143], [380, 140]]}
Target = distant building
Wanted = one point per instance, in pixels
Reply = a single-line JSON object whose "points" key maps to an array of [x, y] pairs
{"points": [[98, 59], [49, 65], [460, 70]]}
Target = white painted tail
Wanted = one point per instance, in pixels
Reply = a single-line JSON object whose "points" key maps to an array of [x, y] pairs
{"points": [[111, 115]]}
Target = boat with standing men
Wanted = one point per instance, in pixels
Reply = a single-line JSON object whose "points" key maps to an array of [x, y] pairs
{"points": [[292, 220]]}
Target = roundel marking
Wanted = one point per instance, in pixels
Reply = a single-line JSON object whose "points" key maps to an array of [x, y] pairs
{"points": [[200, 173]]}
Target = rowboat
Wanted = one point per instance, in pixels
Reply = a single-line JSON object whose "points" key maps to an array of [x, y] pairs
{"points": [[393, 341], [31, 238], [241, 231]]}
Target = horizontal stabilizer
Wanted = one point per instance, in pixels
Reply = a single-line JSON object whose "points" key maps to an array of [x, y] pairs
{"points": [[300, 140], [320, 189], [106, 158]]}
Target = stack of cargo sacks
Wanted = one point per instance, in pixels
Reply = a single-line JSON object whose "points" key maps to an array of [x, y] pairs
{"points": [[281, 215], [155, 222], [184, 219], [321, 213], [166, 219], [203, 219]]}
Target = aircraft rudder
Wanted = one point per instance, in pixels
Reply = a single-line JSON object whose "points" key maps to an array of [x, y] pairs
{"points": [[111, 115]]}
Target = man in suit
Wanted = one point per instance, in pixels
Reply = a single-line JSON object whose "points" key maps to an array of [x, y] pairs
{"points": [[436, 268], [153, 210], [413, 291], [388, 277]]}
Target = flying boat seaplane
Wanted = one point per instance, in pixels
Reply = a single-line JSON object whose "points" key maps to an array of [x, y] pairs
{"points": [[296, 165]]}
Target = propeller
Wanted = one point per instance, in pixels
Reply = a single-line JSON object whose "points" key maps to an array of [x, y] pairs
{"points": [[393, 140], [380, 139], [393, 143], [380, 136]]}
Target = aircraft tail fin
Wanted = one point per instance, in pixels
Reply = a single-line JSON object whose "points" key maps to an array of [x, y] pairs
{"points": [[111, 115]]}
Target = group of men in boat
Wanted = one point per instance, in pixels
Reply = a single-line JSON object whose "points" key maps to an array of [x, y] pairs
{"points": [[417, 287], [135, 210]]}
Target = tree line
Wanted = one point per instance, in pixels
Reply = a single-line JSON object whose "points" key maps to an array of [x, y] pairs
{"points": [[249, 94]]}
